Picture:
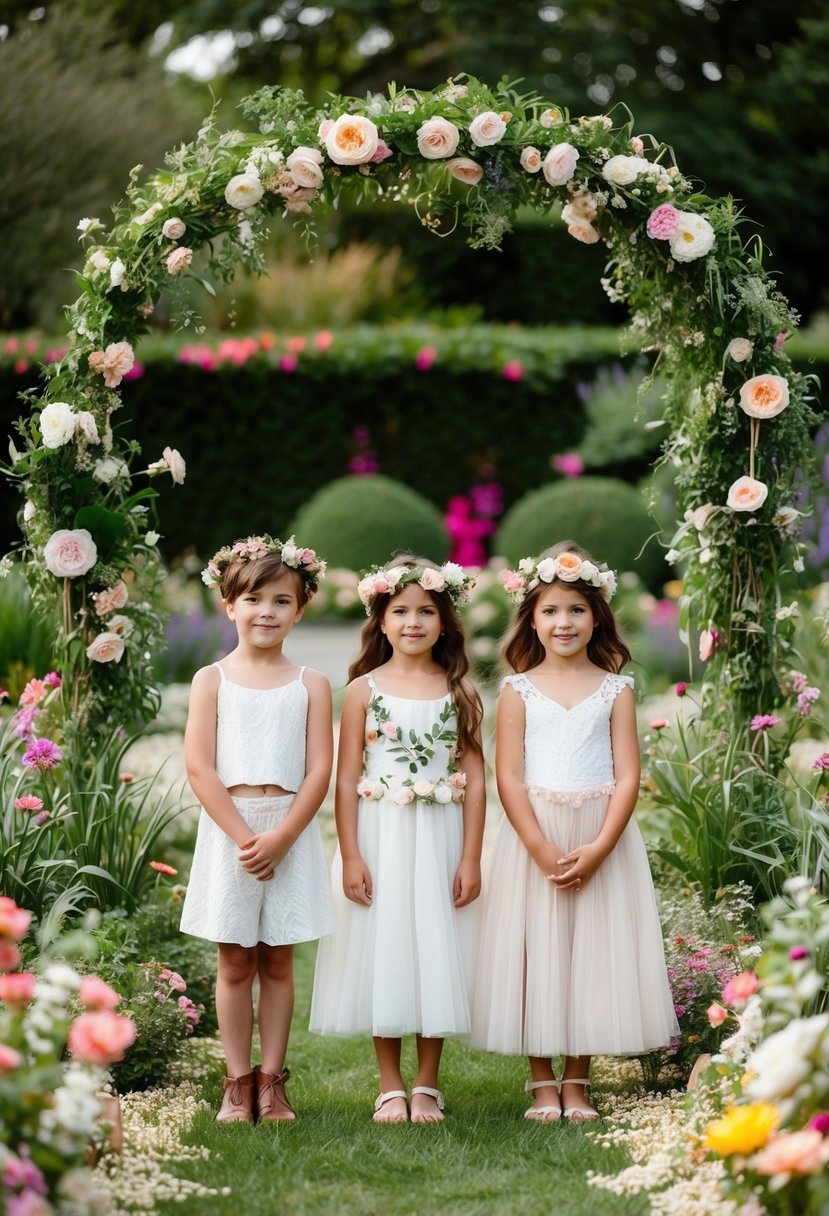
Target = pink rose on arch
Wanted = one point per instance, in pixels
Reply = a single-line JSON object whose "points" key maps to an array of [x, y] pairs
{"points": [[114, 362], [586, 233], [437, 138], [747, 494], [487, 129], [382, 152], [113, 597], [70, 552], [351, 139], [178, 259], [465, 170], [663, 222], [560, 164], [106, 648], [101, 1037]]}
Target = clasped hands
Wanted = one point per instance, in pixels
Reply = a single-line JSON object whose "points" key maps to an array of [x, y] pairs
{"points": [[572, 871], [357, 884], [261, 854]]}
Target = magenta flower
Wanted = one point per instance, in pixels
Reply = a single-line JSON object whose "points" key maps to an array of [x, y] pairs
{"points": [[513, 371], [568, 463], [765, 721], [288, 363], [681, 689], [52, 679], [798, 952], [425, 357], [822, 761], [42, 754], [820, 1123]]}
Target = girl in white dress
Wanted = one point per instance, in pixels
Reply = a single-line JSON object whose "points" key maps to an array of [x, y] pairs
{"points": [[571, 961], [259, 749], [410, 814]]}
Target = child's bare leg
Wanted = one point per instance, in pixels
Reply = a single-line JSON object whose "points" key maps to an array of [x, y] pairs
{"points": [[424, 1107], [546, 1098], [391, 1078], [572, 1095], [276, 1003], [234, 1005]]}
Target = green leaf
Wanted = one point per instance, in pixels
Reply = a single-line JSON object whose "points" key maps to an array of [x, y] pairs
{"points": [[107, 528]]}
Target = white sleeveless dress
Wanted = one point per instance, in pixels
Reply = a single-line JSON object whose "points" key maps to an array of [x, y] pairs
{"points": [[562, 973], [260, 739], [405, 963]]}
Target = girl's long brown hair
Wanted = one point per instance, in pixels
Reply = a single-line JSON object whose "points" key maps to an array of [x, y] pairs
{"points": [[521, 647], [449, 652]]}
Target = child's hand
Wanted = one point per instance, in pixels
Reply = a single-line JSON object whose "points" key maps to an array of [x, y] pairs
{"points": [[577, 866], [547, 857], [467, 884], [260, 855], [357, 881]]}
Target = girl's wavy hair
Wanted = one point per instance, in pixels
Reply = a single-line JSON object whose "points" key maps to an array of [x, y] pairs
{"points": [[241, 576], [521, 647], [449, 651]]}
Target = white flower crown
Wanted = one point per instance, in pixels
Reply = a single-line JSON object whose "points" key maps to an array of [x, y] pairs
{"points": [[568, 567], [380, 580], [254, 547]]}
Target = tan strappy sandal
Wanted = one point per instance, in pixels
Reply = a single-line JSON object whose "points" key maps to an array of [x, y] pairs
{"points": [[578, 1114], [543, 1114]]}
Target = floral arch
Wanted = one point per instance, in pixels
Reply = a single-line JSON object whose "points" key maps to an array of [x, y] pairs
{"points": [[736, 416]]}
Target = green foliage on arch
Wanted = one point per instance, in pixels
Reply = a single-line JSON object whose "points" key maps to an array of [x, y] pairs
{"points": [[464, 156]]}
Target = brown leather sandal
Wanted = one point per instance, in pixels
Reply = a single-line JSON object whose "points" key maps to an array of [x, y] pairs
{"points": [[272, 1102], [237, 1100]]}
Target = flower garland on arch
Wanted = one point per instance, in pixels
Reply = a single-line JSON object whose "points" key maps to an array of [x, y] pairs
{"points": [[468, 155]]}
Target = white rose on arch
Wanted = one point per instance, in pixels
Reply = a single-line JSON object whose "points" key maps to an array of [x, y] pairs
{"points": [[243, 191], [106, 648], [694, 237], [70, 552], [305, 166], [560, 164], [57, 424], [487, 129], [747, 494]]}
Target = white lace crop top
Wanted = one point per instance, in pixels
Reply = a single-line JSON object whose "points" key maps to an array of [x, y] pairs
{"points": [[260, 733], [568, 749]]}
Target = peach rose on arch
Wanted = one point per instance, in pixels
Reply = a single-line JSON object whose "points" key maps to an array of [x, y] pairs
{"points": [[764, 396], [107, 647], [560, 164], [465, 170], [352, 140], [747, 494], [437, 138]]}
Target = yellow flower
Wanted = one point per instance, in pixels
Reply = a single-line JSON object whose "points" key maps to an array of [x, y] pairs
{"points": [[742, 1129]]}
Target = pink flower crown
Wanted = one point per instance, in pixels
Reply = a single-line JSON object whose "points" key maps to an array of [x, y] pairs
{"points": [[254, 547], [381, 580], [568, 567]]}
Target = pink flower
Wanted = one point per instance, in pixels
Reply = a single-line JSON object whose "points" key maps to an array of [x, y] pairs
{"points": [[28, 802], [425, 357], [41, 817], [113, 597], [106, 648], [765, 721], [52, 679], [323, 340], [432, 580], [161, 867], [21, 1172], [820, 1122], [709, 640], [288, 363], [804, 701], [383, 153], [14, 921], [658, 723], [17, 988], [681, 689], [178, 259], [9, 955], [779, 340], [799, 681], [297, 344], [464, 170], [798, 952], [822, 761], [663, 222], [101, 1037], [95, 993], [560, 164], [42, 754], [389, 730], [114, 362], [458, 781], [568, 463], [716, 1014], [764, 396], [792, 1154], [512, 580], [513, 370], [173, 979], [175, 462], [9, 1058], [737, 991], [70, 552], [34, 691]]}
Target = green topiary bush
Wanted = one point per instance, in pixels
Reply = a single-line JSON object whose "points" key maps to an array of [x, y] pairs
{"points": [[606, 516], [359, 521]]}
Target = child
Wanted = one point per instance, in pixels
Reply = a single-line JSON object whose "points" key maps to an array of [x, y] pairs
{"points": [[410, 812], [259, 749], [571, 961]]}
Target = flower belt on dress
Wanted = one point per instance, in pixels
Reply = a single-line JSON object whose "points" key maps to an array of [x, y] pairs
{"points": [[405, 790], [571, 797]]}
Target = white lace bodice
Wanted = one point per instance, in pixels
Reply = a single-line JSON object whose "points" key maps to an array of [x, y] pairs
{"points": [[260, 733], [568, 749]]}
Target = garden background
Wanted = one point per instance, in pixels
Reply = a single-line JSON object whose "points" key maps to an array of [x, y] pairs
{"points": [[470, 402]]}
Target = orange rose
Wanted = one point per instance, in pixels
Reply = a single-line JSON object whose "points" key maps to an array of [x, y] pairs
{"points": [[764, 396], [746, 494], [352, 140], [568, 567]]}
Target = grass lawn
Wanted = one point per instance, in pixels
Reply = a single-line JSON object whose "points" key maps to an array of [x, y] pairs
{"points": [[485, 1157]]}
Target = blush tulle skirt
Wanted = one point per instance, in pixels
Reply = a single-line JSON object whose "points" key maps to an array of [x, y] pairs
{"points": [[561, 973]]}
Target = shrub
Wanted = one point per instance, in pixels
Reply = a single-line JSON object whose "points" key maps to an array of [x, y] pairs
{"points": [[606, 516], [25, 640], [357, 521]]}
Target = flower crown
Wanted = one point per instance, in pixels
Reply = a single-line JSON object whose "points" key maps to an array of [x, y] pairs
{"points": [[568, 567], [381, 580], [254, 547]]}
